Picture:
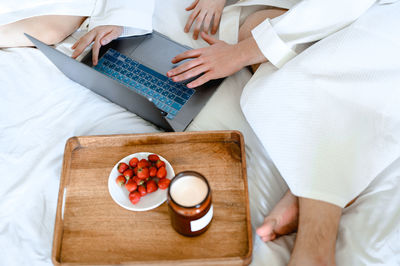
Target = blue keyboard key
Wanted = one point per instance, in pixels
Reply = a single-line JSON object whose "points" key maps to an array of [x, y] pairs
{"points": [[185, 96], [171, 96], [179, 100], [177, 106], [152, 72]]}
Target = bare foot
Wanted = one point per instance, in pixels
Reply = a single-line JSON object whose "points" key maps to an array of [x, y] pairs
{"points": [[282, 220]]}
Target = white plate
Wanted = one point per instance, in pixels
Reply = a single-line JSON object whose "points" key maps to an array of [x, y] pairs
{"points": [[121, 195]]}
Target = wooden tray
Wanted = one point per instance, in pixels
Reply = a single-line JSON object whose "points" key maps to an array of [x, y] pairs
{"points": [[91, 228]]}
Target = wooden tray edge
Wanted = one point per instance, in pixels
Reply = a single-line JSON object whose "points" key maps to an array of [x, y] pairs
{"points": [[249, 256], [71, 144]]}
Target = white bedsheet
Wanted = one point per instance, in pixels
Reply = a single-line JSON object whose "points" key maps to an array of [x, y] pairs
{"points": [[40, 109]]}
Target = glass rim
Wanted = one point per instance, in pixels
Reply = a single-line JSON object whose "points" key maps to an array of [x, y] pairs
{"points": [[189, 173]]}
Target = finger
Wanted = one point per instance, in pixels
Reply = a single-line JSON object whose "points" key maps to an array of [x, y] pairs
{"points": [[96, 47], [186, 55], [83, 42], [217, 19], [114, 34], [210, 40], [207, 22], [193, 5], [184, 67], [191, 73], [191, 18], [200, 81], [75, 44], [199, 23]]}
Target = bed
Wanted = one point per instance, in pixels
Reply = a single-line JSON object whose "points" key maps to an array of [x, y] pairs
{"points": [[41, 109]]}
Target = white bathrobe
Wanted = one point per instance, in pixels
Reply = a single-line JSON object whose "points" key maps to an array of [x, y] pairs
{"points": [[134, 15], [329, 116]]}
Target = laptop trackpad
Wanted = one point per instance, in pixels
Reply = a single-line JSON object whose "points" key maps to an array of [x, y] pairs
{"points": [[157, 52]]}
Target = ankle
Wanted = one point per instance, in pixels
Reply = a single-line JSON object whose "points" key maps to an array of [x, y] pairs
{"points": [[311, 260]]}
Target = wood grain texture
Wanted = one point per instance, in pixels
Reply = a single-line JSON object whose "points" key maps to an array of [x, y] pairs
{"points": [[95, 230]]}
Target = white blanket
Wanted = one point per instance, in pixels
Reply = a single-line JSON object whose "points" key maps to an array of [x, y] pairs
{"points": [[40, 109]]}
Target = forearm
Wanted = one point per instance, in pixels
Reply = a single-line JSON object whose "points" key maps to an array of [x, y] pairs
{"points": [[49, 29]]}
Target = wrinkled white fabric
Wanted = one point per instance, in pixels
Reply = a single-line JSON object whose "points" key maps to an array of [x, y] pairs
{"points": [[134, 15], [330, 118]]}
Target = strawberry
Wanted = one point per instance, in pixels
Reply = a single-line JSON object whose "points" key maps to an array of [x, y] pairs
{"points": [[143, 173], [137, 180], [162, 172], [151, 186], [131, 185], [128, 174], [134, 197], [143, 163], [160, 163], [133, 162], [142, 190], [153, 158], [135, 170], [152, 171], [122, 167], [120, 180], [164, 183]]}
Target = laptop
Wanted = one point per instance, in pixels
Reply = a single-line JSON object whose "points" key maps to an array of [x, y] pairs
{"points": [[131, 72]]}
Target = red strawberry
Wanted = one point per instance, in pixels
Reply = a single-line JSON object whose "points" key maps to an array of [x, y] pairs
{"points": [[143, 163], [164, 183], [120, 180], [137, 180], [128, 174], [160, 163], [135, 170], [131, 185], [153, 158], [152, 171], [122, 167], [133, 162], [134, 197], [151, 186], [162, 172], [143, 173], [142, 190]]}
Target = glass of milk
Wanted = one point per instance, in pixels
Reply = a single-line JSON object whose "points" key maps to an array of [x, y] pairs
{"points": [[189, 203]]}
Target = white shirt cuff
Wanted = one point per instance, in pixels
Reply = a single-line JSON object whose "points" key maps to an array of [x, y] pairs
{"points": [[271, 45]]}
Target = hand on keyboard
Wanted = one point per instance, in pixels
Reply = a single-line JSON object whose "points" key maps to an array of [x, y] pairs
{"points": [[99, 36]]}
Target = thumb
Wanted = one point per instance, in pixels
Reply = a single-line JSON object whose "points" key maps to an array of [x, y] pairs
{"points": [[210, 40]]}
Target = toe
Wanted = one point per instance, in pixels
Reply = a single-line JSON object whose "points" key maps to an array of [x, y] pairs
{"points": [[266, 230]]}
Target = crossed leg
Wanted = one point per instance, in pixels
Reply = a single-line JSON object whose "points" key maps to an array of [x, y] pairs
{"points": [[50, 29], [316, 222]]}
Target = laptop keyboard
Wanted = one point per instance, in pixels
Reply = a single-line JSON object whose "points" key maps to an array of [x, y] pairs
{"points": [[167, 95]]}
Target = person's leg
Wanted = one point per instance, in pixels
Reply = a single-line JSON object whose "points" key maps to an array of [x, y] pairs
{"points": [[316, 236], [49, 29], [254, 20]]}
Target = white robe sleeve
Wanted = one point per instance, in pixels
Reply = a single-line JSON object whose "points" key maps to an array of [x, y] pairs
{"points": [[136, 16], [281, 38]]}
